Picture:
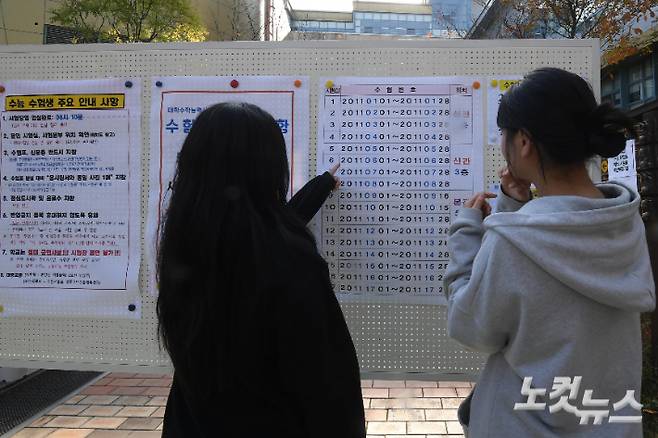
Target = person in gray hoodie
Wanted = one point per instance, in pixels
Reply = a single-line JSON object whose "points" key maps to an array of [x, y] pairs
{"points": [[552, 288]]}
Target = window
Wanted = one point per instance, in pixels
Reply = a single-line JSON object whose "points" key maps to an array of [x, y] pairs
{"points": [[611, 90], [53, 34], [649, 81], [411, 31], [376, 16], [641, 82], [367, 29]]}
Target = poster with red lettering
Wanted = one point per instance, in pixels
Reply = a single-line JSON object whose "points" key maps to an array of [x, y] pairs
{"points": [[175, 105]]}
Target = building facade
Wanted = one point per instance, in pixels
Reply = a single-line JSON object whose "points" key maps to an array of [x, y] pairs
{"points": [[368, 18], [30, 21], [631, 84], [24, 21], [430, 18], [456, 15], [235, 20]]}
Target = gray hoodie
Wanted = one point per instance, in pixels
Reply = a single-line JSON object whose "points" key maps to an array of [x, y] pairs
{"points": [[551, 288]]}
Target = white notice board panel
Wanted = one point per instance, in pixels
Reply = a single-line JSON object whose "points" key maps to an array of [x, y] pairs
{"points": [[69, 198], [393, 337]]}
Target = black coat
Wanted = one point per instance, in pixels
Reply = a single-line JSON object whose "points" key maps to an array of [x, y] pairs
{"points": [[302, 379]]}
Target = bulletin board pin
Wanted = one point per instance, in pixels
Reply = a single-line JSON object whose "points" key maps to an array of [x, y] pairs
{"points": [[158, 84], [2, 308], [128, 84], [298, 83], [476, 85], [132, 307], [235, 83], [329, 84], [494, 83], [2, 89]]}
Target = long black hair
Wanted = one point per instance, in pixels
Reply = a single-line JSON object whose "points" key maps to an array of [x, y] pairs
{"points": [[219, 238], [558, 111]]}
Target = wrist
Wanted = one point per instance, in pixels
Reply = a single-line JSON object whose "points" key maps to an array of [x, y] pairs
{"points": [[528, 197], [471, 213]]}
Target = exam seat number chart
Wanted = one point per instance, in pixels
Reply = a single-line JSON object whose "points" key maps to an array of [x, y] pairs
{"points": [[406, 154]]}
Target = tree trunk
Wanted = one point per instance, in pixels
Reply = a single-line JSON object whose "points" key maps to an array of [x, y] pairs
{"points": [[646, 150]]}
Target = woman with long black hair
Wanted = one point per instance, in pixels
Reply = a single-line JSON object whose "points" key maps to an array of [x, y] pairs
{"points": [[552, 288], [246, 310]]}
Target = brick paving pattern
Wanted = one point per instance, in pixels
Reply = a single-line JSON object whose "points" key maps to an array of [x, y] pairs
{"points": [[124, 405]]}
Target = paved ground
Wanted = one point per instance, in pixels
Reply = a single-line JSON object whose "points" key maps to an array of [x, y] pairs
{"points": [[124, 405]]}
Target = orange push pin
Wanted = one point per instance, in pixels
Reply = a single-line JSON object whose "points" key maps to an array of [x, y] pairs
{"points": [[2, 89], [476, 85], [329, 84], [494, 83], [298, 83]]}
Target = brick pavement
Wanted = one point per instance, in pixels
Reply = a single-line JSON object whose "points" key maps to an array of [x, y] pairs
{"points": [[125, 405]]}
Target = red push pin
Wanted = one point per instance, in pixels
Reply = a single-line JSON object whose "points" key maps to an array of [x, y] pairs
{"points": [[235, 83]]}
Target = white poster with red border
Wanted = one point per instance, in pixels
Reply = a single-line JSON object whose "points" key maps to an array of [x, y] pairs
{"points": [[178, 100]]}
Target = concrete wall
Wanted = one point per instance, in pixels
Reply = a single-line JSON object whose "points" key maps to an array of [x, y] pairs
{"points": [[21, 21]]}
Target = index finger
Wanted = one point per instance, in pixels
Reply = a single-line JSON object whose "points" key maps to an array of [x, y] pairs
{"points": [[334, 168], [481, 199]]}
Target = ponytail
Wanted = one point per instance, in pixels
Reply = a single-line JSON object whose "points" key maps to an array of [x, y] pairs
{"points": [[607, 130]]}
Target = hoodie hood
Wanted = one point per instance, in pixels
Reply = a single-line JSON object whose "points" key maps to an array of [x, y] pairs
{"points": [[597, 247]]}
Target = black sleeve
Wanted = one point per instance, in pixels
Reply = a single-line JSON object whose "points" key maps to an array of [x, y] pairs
{"points": [[309, 199], [316, 356]]}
